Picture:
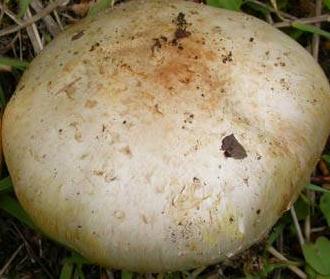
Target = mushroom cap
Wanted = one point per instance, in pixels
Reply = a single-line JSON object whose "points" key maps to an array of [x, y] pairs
{"points": [[165, 135]]}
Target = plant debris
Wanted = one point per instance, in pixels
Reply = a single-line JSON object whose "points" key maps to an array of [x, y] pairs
{"points": [[232, 148]]}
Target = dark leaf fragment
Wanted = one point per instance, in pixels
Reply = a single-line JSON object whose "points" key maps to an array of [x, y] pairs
{"points": [[232, 148]]}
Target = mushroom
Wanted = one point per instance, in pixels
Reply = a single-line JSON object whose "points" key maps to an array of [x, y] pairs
{"points": [[165, 135]]}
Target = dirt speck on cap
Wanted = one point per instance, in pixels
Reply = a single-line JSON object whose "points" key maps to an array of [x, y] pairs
{"points": [[227, 58], [232, 148]]}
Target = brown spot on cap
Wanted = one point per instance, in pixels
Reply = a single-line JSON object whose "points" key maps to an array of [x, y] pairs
{"points": [[127, 151], [94, 46], [156, 45], [232, 148], [181, 33], [227, 58], [98, 172], [90, 103], [78, 35]]}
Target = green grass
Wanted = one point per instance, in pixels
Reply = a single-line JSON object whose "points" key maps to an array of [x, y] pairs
{"points": [[11, 62]]}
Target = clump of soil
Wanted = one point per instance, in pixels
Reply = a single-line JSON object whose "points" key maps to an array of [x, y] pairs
{"points": [[180, 33], [181, 28]]}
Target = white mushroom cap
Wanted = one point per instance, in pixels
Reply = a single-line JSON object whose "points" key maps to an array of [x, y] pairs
{"points": [[165, 135]]}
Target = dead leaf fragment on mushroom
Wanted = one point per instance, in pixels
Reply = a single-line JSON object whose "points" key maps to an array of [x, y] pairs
{"points": [[232, 148]]}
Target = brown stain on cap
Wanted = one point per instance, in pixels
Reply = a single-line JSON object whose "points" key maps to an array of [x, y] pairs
{"points": [[174, 71], [185, 68]]}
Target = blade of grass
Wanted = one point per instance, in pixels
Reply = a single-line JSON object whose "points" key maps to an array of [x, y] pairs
{"points": [[7, 264], [23, 5], [327, 3], [15, 63], [11, 206], [233, 5], [311, 29], [126, 275], [5, 184], [276, 231], [67, 270], [77, 259], [326, 158], [317, 255], [295, 33], [79, 272], [316, 188], [325, 207], [99, 6], [293, 268], [257, 8]]}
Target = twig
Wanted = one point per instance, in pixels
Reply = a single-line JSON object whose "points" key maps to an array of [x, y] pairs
{"points": [[320, 229], [4, 49], [13, 256], [293, 268], [48, 20], [307, 226], [316, 38], [269, 18], [274, 4], [35, 18], [307, 223], [297, 226], [323, 168], [325, 172], [58, 20], [320, 179], [72, 19], [31, 252], [315, 19], [279, 244], [22, 260], [33, 34], [10, 14], [109, 273], [14, 50], [20, 45], [2, 12]]}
